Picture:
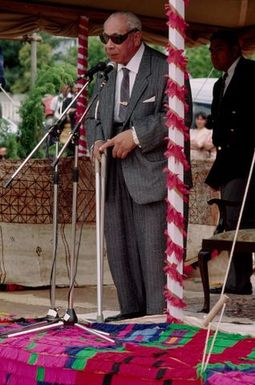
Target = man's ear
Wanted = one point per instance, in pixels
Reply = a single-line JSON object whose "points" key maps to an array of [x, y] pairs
{"points": [[138, 38]]}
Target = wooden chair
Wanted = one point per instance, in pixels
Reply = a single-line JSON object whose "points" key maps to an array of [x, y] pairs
{"points": [[221, 240]]}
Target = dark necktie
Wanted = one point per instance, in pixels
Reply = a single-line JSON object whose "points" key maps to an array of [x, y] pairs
{"points": [[124, 94], [222, 86]]}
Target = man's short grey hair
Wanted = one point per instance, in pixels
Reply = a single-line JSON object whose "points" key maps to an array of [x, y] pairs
{"points": [[132, 20]]}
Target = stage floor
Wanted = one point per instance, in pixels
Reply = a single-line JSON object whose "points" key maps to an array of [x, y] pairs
{"points": [[146, 351], [35, 302]]}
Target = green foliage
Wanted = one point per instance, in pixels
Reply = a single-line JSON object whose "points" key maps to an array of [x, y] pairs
{"points": [[32, 118], [53, 77], [71, 56], [17, 60], [96, 53], [199, 62], [49, 81], [52, 40], [50, 78], [8, 140], [44, 57], [12, 68], [12, 147]]}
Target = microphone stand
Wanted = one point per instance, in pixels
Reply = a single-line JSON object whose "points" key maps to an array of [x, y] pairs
{"points": [[100, 197], [55, 130], [70, 317], [52, 312]]}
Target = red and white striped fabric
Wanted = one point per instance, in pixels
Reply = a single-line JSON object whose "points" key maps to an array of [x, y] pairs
{"points": [[176, 160], [82, 66]]}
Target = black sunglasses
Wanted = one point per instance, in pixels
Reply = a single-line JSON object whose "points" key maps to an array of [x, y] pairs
{"points": [[116, 38]]}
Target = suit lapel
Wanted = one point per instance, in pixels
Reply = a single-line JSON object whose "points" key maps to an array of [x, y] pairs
{"points": [[230, 91], [141, 82], [108, 98]]}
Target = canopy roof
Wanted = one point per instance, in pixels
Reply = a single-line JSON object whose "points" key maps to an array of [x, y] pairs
{"points": [[61, 17]]}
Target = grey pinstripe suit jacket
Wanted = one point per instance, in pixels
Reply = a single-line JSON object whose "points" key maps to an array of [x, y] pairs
{"points": [[143, 167]]}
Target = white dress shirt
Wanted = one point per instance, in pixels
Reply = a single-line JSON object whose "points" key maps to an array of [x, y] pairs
{"points": [[133, 67]]}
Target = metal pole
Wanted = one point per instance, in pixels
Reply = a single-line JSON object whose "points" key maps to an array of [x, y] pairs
{"points": [[98, 240], [52, 312], [33, 61]]}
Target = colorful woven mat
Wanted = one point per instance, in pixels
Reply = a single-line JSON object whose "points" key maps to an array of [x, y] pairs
{"points": [[149, 354]]}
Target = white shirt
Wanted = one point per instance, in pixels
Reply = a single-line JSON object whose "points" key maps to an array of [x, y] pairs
{"points": [[133, 66], [230, 73]]}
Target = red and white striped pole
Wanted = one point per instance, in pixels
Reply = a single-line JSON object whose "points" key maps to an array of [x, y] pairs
{"points": [[82, 66], [176, 160]]}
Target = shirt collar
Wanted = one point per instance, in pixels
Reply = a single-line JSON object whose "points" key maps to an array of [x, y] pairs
{"points": [[232, 68], [134, 63]]}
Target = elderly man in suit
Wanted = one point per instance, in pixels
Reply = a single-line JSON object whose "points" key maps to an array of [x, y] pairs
{"points": [[128, 121], [234, 138]]}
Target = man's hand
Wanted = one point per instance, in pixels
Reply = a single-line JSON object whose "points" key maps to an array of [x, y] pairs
{"points": [[122, 144], [96, 153]]}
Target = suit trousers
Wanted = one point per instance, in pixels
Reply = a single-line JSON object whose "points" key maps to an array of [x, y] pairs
{"points": [[136, 245], [241, 266]]}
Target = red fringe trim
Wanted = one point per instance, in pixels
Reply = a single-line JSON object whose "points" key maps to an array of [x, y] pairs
{"points": [[173, 216], [177, 153], [173, 182], [175, 301], [174, 121], [175, 56], [171, 269], [173, 89], [175, 20], [173, 248]]}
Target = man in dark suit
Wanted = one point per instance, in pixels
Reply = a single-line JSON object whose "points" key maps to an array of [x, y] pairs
{"points": [[132, 130], [234, 138]]}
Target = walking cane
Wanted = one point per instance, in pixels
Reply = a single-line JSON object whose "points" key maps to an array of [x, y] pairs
{"points": [[100, 167]]}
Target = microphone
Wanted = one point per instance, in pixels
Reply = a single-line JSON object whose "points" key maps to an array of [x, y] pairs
{"points": [[109, 67], [100, 66]]}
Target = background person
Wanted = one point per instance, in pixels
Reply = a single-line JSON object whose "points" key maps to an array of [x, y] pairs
{"points": [[135, 208], [234, 138], [57, 106], [201, 144], [60, 101]]}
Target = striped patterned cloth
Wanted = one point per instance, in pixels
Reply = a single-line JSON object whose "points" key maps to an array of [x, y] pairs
{"points": [[148, 354]]}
